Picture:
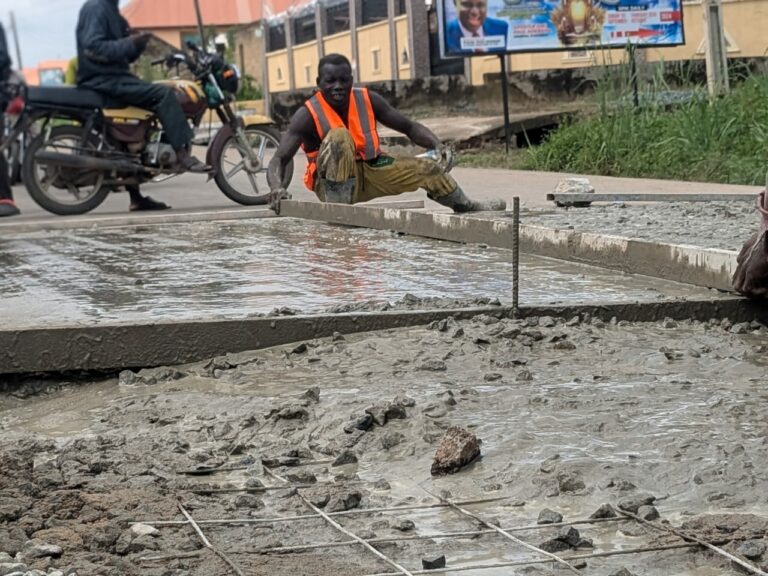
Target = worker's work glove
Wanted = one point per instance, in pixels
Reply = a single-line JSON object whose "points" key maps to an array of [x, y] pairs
{"points": [[446, 157]]}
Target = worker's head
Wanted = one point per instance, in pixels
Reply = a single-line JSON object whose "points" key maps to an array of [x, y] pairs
{"points": [[472, 13], [334, 78]]}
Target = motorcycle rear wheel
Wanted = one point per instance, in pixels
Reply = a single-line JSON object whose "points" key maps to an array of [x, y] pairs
{"points": [[43, 181], [249, 188]]}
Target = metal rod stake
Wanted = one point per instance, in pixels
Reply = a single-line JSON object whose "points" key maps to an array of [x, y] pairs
{"points": [[516, 254]]}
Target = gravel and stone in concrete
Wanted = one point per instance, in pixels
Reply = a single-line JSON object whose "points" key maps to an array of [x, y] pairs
{"points": [[723, 225], [613, 419]]}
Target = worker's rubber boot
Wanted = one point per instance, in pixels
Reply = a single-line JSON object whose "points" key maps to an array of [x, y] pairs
{"points": [[339, 192], [459, 203]]}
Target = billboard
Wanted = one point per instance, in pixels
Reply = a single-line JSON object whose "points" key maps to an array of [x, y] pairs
{"points": [[482, 27]]}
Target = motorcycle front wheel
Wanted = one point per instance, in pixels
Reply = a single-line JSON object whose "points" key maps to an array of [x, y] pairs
{"points": [[60, 190], [235, 180]]}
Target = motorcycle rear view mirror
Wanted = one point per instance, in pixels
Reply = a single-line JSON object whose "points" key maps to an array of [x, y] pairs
{"points": [[192, 46]]}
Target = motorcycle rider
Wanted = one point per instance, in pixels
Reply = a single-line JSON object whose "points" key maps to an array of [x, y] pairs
{"points": [[106, 46], [137, 200], [7, 205]]}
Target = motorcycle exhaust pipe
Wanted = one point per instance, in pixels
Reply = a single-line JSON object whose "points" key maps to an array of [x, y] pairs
{"points": [[83, 162]]}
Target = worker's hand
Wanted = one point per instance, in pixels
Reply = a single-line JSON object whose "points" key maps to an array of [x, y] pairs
{"points": [[276, 196], [446, 159], [140, 40]]}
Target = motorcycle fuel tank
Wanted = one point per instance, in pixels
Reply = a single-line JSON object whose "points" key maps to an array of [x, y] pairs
{"points": [[190, 95]]}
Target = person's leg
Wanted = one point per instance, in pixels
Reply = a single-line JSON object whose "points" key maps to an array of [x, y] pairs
{"points": [[337, 168], [132, 91], [140, 202], [390, 176], [7, 205]]}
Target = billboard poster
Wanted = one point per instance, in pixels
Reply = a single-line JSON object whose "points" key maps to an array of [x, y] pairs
{"points": [[482, 27]]}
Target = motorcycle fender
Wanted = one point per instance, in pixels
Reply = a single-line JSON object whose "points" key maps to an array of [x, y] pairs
{"points": [[216, 146], [257, 119]]}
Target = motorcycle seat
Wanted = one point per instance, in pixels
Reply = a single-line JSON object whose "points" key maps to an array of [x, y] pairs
{"points": [[68, 96]]}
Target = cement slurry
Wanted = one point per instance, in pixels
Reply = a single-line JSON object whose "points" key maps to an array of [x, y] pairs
{"points": [[232, 270]]}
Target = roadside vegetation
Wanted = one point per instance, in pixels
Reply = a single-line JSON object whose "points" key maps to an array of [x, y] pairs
{"points": [[671, 137]]}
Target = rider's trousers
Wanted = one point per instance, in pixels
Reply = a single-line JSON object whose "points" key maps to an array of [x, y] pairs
{"points": [[127, 90]]}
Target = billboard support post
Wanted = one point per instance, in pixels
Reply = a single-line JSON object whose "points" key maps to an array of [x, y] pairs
{"points": [[505, 98], [632, 53], [717, 51]]}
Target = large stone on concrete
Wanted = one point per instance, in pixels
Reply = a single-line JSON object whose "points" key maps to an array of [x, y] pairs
{"points": [[457, 449]]}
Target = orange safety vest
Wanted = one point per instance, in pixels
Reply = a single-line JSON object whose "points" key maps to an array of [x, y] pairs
{"points": [[361, 123]]}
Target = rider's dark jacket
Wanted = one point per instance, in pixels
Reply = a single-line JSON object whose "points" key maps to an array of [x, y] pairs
{"points": [[104, 46], [5, 59]]}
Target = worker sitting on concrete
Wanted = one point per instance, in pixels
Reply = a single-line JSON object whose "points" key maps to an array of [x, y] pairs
{"points": [[751, 276], [337, 130]]}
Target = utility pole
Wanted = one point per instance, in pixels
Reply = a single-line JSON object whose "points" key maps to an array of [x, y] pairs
{"points": [[200, 26], [717, 51], [15, 33]]}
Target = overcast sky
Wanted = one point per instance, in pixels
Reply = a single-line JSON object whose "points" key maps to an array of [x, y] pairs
{"points": [[46, 28]]}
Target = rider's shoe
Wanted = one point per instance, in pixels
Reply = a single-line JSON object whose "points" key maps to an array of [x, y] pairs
{"points": [[188, 163], [8, 208], [147, 203]]}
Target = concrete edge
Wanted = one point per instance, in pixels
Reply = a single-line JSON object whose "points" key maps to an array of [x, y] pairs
{"points": [[145, 219], [119, 346], [709, 268], [13, 228]]}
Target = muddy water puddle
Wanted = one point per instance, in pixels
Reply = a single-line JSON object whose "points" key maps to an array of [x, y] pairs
{"points": [[231, 270]]}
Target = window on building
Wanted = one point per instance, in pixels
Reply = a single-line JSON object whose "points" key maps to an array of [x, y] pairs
{"points": [[279, 75], [376, 60], [276, 38], [374, 11], [400, 8], [405, 58], [337, 18], [304, 29], [308, 74], [579, 56]]}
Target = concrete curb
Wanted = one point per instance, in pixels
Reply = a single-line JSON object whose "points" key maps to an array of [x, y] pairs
{"points": [[709, 268], [118, 346], [160, 218], [145, 219]]}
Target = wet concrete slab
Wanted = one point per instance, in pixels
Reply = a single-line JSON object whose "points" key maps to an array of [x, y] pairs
{"points": [[705, 267], [230, 270]]}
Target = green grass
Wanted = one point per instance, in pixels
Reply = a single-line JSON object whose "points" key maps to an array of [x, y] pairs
{"points": [[723, 140]]}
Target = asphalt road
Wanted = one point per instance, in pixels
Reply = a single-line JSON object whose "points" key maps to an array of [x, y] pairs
{"points": [[191, 193]]}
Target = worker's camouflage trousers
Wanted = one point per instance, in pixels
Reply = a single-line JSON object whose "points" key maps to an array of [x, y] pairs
{"points": [[384, 176]]}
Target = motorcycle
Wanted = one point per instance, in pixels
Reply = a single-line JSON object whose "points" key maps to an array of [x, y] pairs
{"points": [[85, 149]]}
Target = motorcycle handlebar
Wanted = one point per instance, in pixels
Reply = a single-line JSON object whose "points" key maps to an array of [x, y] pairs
{"points": [[158, 61]]}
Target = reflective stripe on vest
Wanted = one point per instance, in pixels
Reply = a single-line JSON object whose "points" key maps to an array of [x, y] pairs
{"points": [[361, 121]]}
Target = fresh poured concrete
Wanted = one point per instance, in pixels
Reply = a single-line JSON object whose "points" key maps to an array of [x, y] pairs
{"points": [[219, 271]]}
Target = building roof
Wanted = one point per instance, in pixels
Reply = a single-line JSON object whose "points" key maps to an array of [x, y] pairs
{"points": [[152, 14], [47, 71]]}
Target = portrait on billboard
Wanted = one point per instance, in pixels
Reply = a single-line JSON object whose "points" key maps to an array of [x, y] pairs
{"points": [[473, 31]]}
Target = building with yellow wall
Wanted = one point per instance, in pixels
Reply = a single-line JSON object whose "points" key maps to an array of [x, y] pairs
{"points": [[395, 40], [384, 40]]}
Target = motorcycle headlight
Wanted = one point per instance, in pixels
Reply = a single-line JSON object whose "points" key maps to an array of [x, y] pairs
{"points": [[229, 79]]}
